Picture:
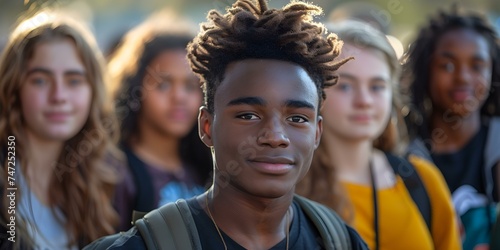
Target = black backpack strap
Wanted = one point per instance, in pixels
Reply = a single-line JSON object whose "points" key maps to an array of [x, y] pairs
{"points": [[104, 242], [170, 227], [414, 185], [331, 228], [144, 201]]}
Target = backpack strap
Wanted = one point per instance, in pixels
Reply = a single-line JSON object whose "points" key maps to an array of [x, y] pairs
{"points": [[331, 228], [170, 227], [414, 185]]}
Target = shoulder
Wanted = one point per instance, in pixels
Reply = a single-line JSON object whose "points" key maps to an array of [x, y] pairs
{"points": [[319, 214], [356, 240], [430, 174], [131, 239], [426, 169], [417, 147], [432, 178]]}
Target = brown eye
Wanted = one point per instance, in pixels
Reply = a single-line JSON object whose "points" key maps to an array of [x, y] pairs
{"points": [[248, 116], [297, 119]]}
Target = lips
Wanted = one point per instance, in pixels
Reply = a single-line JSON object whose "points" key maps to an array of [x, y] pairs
{"points": [[178, 115], [57, 116], [361, 118], [461, 95], [272, 165]]}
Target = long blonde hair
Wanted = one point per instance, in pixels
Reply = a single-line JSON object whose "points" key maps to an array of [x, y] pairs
{"points": [[83, 180], [321, 183]]}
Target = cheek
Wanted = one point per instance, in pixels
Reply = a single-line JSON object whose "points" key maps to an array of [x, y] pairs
{"points": [[437, 75], [154, 103], [334, 107], [82, 99], [387, 103], [32, 102], [195, 101], [482, 87]]}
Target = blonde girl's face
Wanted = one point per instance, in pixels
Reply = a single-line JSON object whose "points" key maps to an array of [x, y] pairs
{"points": [[358, 107], [55, 95]]}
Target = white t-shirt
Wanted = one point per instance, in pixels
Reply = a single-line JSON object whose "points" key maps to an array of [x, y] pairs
{"points": [[43, 226]]}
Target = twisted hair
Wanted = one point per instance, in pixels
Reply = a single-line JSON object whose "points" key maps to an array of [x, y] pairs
{"points": [[250, 30], [163, 31], [419, 56]]}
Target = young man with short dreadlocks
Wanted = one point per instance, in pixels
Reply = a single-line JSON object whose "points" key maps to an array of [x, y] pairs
{"points": [[263, 73]]}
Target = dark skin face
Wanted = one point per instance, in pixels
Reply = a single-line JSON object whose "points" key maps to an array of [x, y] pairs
{"points": [[265, 126], [460, 72], [460, 79], [264, 130]]}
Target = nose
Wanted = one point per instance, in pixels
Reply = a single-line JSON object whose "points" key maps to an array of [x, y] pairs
{"points": [[58, 91], [362, 97], [179, 93], [463, 74], [273, 135]]}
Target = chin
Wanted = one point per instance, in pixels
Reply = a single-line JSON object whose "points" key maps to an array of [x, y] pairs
{"points": [[61, 135], [178, 131], [272, 191]]}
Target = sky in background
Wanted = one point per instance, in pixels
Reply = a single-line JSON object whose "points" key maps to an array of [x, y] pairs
{"points": [[110, 19]]}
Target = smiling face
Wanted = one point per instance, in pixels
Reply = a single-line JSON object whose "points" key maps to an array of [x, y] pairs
{"points": [[172, 95], [460, 72], [265, 127], [358, 107], [55, 95]]}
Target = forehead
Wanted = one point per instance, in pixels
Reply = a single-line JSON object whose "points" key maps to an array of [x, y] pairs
{"points": [[268, 79], [57, 54], [367, 63], [175, 58], [463, 41]]}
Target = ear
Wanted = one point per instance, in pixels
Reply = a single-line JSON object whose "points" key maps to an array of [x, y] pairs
{"points": [[319, 132], [205, 120]]}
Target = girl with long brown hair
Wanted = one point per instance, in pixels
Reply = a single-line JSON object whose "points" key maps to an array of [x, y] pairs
{"points": [[52, 103]]}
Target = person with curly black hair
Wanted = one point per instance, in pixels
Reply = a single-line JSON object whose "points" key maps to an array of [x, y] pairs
{"points": [[264, 72], [453, 68], [157, 98]]}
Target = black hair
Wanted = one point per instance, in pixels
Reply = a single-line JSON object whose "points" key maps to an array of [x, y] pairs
{"points": [[250, 30], [128, 103], [419, 56]]}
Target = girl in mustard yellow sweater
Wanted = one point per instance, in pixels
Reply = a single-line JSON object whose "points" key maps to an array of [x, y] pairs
{"points": [[354, 168]]}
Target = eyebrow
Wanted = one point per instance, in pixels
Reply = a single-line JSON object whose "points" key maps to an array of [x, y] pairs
{"points": [[257, 101], [49, 72], [476, 57], [247, 101], [299, 104], [353, 78]]}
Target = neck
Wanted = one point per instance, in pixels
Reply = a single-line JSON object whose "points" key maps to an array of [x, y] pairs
{"points": [[157, 149], [255, 223], [351, 160], [42, 156], [450, 134]]}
